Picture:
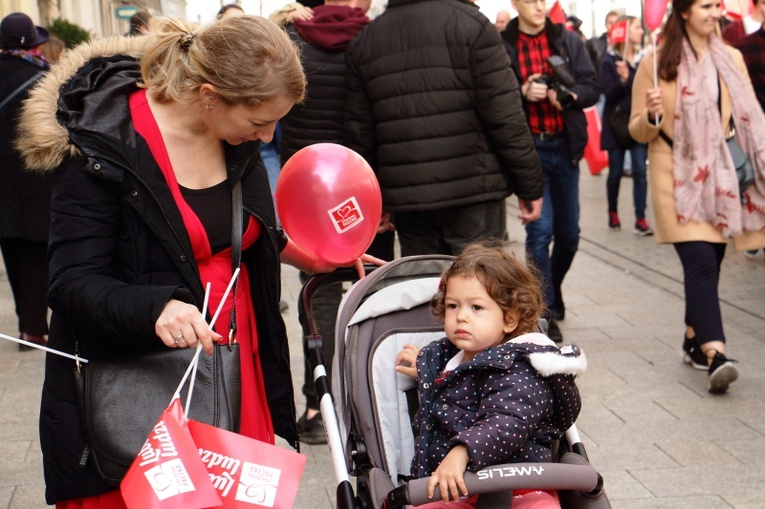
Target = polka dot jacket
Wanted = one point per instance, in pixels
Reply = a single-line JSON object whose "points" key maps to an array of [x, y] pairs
{"points": [[507, 404]]}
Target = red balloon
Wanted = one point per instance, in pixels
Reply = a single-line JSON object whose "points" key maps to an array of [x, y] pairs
{"points": [[329, 202], [653, 13]]}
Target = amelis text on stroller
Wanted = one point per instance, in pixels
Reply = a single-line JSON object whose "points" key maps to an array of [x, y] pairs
{"points": [[509, 471]]}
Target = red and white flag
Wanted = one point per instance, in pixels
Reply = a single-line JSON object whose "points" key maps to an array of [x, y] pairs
{"points": [[557, 14], [168, 472], [246, 472], [618, 32]]}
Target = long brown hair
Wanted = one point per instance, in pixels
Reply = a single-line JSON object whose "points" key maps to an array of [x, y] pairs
{"points": [[672, 46]]}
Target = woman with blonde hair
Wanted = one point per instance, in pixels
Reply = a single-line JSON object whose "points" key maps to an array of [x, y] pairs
{"points": [[617, 74], [148, 137], [703, 91], [53, 49]]}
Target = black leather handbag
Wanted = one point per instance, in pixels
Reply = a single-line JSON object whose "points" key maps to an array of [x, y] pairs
{"points": [[618, 121], [744, 168], [121, 398]]}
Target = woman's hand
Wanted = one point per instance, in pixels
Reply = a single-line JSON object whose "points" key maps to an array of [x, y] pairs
{"points": [[653, 103], [301, 13], [449, 476], [181, 325], [406, 361], [623, 71], [306, 262]]}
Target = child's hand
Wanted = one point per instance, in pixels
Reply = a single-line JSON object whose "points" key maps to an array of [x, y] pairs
{"points": [[408, 355], [449, 475]]}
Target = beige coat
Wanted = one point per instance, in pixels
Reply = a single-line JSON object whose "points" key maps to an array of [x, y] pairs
{"points": [[660, 175]]}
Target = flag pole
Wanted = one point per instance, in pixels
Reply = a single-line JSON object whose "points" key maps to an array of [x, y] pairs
{"points": [[655, 67]]}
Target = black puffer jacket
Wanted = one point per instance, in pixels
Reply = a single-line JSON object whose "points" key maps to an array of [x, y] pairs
{"points": [[119, 249], [433, 106], [567, 45], [321, 117]]}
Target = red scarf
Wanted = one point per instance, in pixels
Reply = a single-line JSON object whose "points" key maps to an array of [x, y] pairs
{"points": [[332, 27]]}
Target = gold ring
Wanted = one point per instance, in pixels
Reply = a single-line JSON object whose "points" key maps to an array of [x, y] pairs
{"points": [[178, 339]]}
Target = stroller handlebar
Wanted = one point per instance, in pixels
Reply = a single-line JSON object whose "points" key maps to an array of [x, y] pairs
{"points": [[506, 477]]}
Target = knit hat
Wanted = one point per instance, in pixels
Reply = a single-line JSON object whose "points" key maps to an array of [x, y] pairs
{"points": [[18, 31]]}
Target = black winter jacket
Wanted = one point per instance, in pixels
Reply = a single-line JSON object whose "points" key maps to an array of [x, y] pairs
{"points": [[434, 108], [321, 117], [24, 196], [119, 249], [567, 45], [617, 94]]}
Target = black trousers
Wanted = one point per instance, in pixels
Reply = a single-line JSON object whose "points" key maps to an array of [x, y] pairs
{"points": [[26, 263], [450, 231], [701, 274]]}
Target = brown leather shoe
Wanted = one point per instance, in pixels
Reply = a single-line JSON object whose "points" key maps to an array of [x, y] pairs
{"points": [[32, 338]]}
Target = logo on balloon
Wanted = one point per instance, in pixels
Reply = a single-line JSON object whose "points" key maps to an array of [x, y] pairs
{"points": [[346, 215]]}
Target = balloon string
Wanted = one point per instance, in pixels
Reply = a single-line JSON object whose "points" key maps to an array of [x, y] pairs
{"points": [[655, 68], [196, 354]]}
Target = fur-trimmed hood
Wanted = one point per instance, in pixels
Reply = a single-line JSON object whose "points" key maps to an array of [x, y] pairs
{"points": [[46, 117], [567, 360]]}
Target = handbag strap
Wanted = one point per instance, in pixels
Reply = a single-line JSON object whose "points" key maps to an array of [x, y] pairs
{"points": [[19, 90], [666, 138], [237, 221]]}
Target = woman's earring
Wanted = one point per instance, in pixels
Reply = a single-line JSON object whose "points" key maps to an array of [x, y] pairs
{"points": [[208, 106]]}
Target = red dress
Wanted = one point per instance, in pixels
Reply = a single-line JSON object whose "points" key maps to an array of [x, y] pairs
{"points": [[216, 269]]}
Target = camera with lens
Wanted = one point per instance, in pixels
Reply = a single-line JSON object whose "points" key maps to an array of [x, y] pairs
{"points": [[559, 80]]}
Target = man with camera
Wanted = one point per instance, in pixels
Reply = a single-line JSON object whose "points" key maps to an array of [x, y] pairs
{"points": [[558, 81]]}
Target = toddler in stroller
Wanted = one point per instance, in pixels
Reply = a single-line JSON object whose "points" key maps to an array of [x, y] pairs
{"points": [[492, 391], [368, 413]]}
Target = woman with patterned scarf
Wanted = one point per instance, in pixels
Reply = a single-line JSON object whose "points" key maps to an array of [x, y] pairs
{"points": [[24, 197], [703, 91]]}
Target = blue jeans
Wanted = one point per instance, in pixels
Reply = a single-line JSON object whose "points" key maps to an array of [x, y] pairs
{"points": [[639, 153], [270, 157], [559, 219]]}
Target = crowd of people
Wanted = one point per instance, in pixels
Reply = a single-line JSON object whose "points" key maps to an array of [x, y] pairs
{"points": [[123, 221]]}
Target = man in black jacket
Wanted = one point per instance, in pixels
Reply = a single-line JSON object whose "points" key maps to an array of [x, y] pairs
{"points": [[434, 108], [321, 119], [559, 129]]}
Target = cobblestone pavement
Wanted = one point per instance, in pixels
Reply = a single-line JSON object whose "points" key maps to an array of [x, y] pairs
{"points": [[651, 428]]}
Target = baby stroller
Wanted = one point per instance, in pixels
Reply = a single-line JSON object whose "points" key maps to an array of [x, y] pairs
{"points": [[367, 415]]}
